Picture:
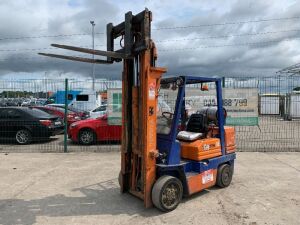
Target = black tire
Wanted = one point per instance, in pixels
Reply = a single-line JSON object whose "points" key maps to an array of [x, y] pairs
{"points": [[23, 137], [167, 193], [87, 137], [224, 175]]}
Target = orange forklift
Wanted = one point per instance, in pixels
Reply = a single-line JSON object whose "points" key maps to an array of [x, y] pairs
{"points": [[165, 153]]}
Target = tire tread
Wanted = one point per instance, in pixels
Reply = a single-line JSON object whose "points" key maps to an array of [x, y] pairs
{"points": [[156, 191]]}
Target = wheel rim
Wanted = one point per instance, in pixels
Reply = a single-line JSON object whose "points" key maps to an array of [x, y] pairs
{"points": [[226, 175], [86, 137], [22, 136], [170, 195]]}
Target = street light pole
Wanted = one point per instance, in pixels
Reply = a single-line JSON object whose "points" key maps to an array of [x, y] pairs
{"points": [[93, 41]]}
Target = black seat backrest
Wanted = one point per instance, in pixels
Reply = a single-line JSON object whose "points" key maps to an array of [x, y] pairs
{"points": [[197, 123]]}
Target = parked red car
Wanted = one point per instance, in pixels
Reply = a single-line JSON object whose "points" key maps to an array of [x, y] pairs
{"points": [[90, 131], [81, 113], [71, 117]]}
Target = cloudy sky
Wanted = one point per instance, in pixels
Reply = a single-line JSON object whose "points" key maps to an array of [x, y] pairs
{"points": [[207, 37]]}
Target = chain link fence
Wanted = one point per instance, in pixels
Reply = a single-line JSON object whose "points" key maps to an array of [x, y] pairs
{"points": [[272, 125], [33, 116], [278, 105]]}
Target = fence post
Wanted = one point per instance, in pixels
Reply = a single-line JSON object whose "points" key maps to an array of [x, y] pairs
{"points": [[66, 117], [223, 82]]}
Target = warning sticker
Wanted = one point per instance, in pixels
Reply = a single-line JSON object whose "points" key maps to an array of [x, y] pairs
{"points": [[152, 90], [207, 176], [205, 147]]}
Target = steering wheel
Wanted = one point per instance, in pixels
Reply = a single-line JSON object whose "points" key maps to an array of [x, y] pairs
{"points": [[168, 115]]}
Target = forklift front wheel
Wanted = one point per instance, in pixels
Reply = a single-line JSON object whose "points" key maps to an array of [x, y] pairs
{"points": [[224, 175], [167, 193]]}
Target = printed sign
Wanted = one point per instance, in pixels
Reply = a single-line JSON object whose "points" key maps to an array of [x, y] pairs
{"points": [[114, 106], [152, 91], [241, 104], [207, 176]]}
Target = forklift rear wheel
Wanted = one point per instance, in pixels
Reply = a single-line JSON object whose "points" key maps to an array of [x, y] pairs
{"points": [[167, 193], [224, 175]]}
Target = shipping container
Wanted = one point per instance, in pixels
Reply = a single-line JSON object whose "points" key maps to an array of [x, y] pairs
{"points": [[293, 106], [269, 104], [80, 99]]}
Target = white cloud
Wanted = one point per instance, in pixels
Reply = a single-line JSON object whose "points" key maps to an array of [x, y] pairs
{"points": [[50, 17]]}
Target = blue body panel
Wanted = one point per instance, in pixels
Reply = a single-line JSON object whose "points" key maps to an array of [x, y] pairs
{"points": [[213, 163], [170, 147], [60, 96]]}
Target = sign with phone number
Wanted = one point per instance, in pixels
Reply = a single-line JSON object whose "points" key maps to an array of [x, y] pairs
{"points": [[241, 104], [227, 102]]}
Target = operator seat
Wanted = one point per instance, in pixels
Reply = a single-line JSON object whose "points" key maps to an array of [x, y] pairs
{"points": [[196, 128]]}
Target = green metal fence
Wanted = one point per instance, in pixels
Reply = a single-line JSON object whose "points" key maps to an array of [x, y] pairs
{"points": [[270, 122]]}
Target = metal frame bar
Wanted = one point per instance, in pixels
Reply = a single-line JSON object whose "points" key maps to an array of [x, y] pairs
{"points": [[166, 143]]}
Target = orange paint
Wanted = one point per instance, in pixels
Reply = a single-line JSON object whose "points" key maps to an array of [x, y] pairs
{"points": [[230, 145], [201, 149], [201, 181], [148, 133], [230, 149]]}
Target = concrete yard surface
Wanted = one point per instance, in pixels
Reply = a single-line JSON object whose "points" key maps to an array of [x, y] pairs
{"points": [[82, 188]]}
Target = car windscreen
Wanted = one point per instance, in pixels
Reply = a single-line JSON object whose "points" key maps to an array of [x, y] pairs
{"points": [[72, 109], [36, 112], [57, 109], [100, 108], [63, 109]]}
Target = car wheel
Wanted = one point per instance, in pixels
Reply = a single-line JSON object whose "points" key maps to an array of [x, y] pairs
{"points": [[23, 137], [87, 137], [167, 193], [224, 175]]}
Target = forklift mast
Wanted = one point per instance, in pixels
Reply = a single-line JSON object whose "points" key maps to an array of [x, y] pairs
{"points": [[140, 84], [141, 81]]}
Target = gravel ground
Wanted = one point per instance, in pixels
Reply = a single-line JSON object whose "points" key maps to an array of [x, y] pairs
{"points": [[81, 188]]}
